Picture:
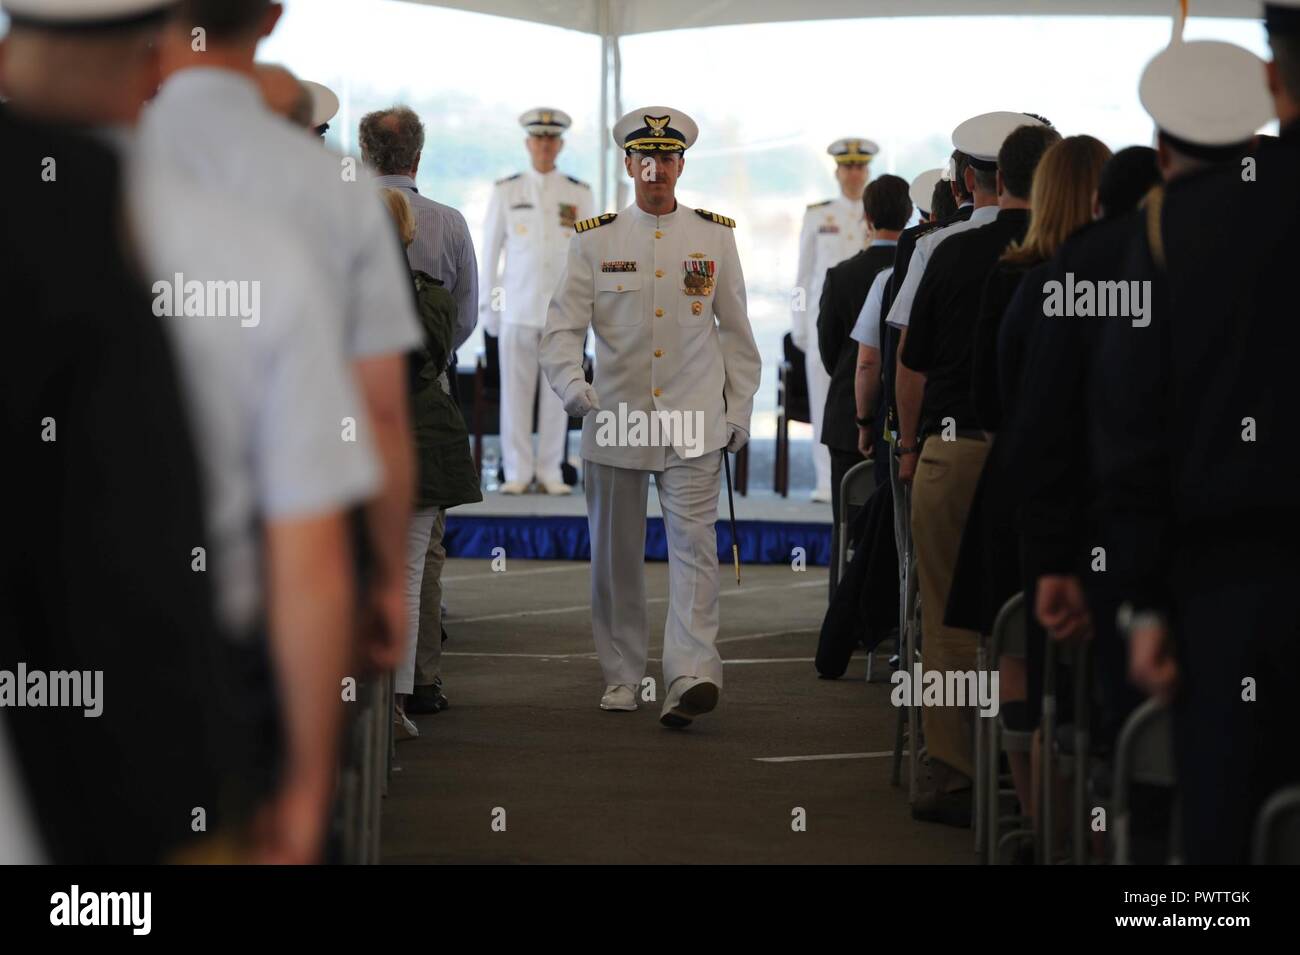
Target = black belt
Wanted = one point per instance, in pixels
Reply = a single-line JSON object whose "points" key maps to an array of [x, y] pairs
{"points": [[971, 434]]}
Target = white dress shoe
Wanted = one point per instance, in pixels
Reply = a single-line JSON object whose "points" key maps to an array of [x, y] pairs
{"points": [[620, 697], [688, 698], [514, 487], [820, 497], [403, 728], [557, 488]]}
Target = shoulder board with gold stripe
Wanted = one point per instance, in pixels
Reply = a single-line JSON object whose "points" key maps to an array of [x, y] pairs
{"points": [[714, 217], [509, 178], [577, 182], [818, 205], [595, 222]]}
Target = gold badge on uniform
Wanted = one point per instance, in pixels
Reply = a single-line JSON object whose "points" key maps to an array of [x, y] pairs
{"points": [[568, 215], [697, 278]]}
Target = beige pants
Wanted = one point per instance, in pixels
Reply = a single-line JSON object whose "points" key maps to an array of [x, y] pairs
{"points": [[428, 650], [942, 491]]}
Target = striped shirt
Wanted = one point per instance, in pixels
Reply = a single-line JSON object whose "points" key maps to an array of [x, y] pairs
{"points": [[444, 249]]}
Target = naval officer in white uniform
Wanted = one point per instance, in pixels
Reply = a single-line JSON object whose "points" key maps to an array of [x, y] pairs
{"points": [[832, 231], [661, 286], [530, 219]]}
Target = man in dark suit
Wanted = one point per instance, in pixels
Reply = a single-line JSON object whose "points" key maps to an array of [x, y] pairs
{"points": [[887, 208]]}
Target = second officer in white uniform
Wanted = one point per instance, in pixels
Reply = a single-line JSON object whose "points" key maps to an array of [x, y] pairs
{"points": [[661, 286], [832, 231], [530, 218]]}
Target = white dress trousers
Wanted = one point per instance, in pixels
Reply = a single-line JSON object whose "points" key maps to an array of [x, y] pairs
{"points": [[616, 509]]}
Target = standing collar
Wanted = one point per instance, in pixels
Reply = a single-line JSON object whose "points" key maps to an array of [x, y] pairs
{"points": [[643, 216]]}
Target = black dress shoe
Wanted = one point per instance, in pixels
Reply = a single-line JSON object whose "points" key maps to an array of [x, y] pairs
{"points": [[427, 699], [949, 809]]}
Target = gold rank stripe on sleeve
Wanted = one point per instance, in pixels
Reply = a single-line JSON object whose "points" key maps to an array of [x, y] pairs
{"points": [[595, 222], [714, 217]]}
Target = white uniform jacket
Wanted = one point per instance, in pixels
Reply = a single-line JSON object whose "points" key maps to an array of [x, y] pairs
{"points": [[832, 231], [530, 218], [666, 298]]}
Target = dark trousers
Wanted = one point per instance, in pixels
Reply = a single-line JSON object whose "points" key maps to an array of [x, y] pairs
{"points": [[841, 463], [1234, 619]]}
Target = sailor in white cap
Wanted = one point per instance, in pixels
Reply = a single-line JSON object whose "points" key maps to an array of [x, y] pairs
{"points": [[1200, 558], [921, 190], [978, 139], [676, 371], [530, 221], [324, 106], [832, 231], [1207, 101]]}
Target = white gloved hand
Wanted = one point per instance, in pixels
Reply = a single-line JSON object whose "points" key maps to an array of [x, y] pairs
{"points": [[737, 437], [580, 398], [491, 322]]}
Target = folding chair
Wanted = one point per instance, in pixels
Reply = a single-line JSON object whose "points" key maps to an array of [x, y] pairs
{"points": [[791, 405], [1007, 639], [856, 488], [1144, 755], [1076, 656], [1277, 830]]}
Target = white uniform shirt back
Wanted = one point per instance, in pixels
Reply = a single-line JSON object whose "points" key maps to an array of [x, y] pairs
{"points": [[530, 219], [661, 345], [832, 231], [211, 127], [267, 400]]}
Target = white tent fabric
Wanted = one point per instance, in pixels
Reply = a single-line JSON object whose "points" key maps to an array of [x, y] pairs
{"points": [[610, 19], [625, 17]]}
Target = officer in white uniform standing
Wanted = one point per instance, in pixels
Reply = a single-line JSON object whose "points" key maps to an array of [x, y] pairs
{"points": [[530, 218], [661, 286], [832, 231]]}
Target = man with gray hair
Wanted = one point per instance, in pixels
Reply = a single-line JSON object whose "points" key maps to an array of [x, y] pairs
{"points": [[392, 141]]}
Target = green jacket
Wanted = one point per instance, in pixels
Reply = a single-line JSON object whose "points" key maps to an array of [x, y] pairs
{"points": [[446, 468]]}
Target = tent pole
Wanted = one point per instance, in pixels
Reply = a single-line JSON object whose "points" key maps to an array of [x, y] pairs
{"points": [[602, 132], [620, 191]]}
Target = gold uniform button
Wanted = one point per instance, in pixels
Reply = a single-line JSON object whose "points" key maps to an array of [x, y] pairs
{"points": [[619, 288], [659, 273], [659, 313], [658, 392], [659, 353], [658, 235]]}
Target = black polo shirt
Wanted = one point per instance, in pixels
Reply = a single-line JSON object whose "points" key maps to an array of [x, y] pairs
{"points": [[941, 330]]}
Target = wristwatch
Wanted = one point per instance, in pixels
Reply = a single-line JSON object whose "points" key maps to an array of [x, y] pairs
{"points": [[902, 449], [866, 422]]}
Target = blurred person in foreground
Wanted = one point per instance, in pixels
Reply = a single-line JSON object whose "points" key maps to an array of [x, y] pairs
{"points": [[268, 397]]}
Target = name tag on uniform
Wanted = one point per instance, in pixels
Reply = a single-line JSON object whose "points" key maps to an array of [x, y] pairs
{"points": [[697, 276], [618, 266], [828, 230], [568, 215], [522, 205]]}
